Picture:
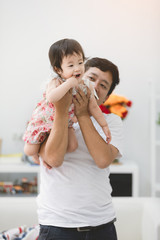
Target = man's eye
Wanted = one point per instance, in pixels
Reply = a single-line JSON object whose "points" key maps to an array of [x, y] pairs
{"points": [[91, 78], [103, 86]]}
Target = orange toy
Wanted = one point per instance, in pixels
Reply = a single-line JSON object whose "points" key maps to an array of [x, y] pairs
{"points": [[116, 104]]}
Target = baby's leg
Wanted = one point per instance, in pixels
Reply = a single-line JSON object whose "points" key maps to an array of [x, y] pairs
{"points": [[72, 141], [32, 150]]}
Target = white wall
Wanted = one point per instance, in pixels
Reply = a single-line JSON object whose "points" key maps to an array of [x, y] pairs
{"points": [[125, 32]]}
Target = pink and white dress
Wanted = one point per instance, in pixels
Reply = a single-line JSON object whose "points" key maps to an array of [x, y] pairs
{"points": [[42, 118], [41, 121]]}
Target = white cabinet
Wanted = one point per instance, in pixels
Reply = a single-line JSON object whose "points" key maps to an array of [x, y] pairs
{"points": [[155, 141], [18, 176], [124, 178]]}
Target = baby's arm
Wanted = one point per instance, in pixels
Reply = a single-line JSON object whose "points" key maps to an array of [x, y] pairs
{"points": [[54, 93], [97, 114]]}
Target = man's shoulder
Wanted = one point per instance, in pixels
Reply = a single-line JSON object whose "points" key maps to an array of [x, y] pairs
{"points": [[114, 121], [112, 117]]}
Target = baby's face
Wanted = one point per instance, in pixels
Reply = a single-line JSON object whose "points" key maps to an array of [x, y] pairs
{"points": [[72, 65]]}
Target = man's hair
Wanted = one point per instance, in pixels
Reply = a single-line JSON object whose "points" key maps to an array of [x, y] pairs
{"points": [[105, 66], [63, 48]]}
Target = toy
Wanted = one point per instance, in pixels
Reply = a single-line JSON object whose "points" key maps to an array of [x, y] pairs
{"points": [[116, 104]]}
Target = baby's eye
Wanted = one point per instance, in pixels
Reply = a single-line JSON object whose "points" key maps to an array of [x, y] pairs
{"points": [[80, 63], [71, 65]]}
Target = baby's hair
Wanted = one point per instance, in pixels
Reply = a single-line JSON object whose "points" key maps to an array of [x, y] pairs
{"points": [[63, 48]]}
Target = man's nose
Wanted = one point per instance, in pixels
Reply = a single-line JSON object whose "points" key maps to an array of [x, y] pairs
{"points": [[96, 85]]}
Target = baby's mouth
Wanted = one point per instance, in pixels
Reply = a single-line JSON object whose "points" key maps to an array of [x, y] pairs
{"points": [[77, 75]]}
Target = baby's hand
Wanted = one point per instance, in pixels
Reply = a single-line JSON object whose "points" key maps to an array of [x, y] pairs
{"points": [[107, 133], [73, 81]]}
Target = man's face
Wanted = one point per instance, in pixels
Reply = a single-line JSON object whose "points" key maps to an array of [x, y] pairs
{"points": [[102, 80]]}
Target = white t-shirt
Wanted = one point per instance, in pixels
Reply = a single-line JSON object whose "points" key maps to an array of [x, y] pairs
{"points": [[78, 193]]}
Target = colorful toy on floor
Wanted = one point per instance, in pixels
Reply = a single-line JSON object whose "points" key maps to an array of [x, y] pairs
{"points": [[21, 233]]}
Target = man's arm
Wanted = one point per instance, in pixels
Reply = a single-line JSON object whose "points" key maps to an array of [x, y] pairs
{"points": [[54, 148], [102, 153]]}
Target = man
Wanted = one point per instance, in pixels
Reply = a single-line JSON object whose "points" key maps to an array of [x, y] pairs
{"points": [[75, 193]]}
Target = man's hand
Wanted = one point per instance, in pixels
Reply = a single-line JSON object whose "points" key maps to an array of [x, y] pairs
{"points": [[81, 103], [63, 104]]}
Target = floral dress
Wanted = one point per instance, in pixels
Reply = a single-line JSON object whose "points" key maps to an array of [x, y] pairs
{"points": [[41, 121], [42, 118]]}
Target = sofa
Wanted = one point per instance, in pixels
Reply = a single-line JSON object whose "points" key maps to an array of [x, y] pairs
{"points": [[137, 218]]}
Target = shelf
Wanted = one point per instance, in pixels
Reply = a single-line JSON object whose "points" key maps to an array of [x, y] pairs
{"points": [[127, 167], [19, 168], [15, 170], [10, 172], [19, 195]]}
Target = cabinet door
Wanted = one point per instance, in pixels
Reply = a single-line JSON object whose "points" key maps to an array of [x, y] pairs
{"points": [[121, 184]]}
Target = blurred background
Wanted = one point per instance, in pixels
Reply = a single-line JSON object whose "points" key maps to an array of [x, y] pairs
{"points": [[125, 32]]}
